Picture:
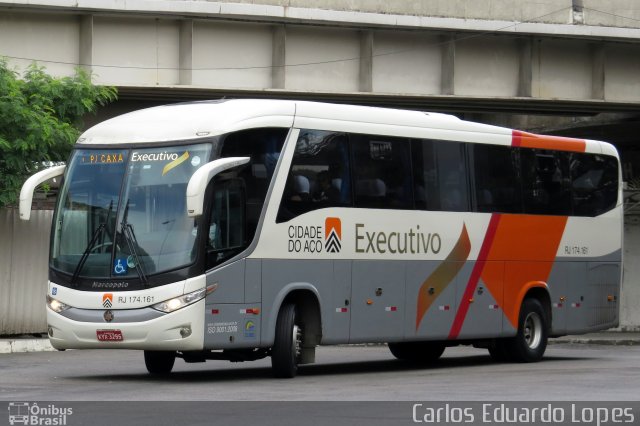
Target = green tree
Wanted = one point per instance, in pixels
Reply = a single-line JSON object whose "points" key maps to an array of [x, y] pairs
{"points": [[40, 120]]}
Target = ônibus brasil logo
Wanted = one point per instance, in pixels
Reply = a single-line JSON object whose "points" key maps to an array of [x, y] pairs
{"points": [[332, 235], [30, 413]]}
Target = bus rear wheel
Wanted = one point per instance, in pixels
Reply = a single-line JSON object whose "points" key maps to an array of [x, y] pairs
{"points": [[423, 352], [159, 362], [530, 343], [287, 346]]}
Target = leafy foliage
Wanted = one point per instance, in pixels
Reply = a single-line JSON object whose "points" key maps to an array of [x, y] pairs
{"points": [[40, 119]]}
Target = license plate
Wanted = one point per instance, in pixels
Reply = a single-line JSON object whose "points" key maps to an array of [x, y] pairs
{"points": [[109, 335]]}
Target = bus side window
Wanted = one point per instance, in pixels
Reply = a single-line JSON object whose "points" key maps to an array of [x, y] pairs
{"points": [[263, 146], [227, 232], [594, 183], [439, 175], [382, 172], [545, 181], [496, 181], [319, 176]]}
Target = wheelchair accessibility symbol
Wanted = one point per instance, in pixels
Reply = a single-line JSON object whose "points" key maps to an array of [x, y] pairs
{"points": [[120, 266]]}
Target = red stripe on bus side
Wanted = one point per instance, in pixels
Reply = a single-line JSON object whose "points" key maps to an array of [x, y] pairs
{"points": [[475, 277], [516, 138]]}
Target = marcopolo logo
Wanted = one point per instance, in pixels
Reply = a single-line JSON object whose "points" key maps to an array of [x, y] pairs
{"points": [[332, 234], [26, 413]]}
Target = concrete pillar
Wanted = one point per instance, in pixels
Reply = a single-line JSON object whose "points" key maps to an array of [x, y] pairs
{"points": [[366, 61], [536, 63], [597, 70], [185, 52], [525, 74], [279, 57], [630, 297], [577, 12], [86, 42], [447, 83]]}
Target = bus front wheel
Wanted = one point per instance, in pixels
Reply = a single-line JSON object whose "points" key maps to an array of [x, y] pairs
{"points": [[159, 362], [530, 343], [287, 346]]}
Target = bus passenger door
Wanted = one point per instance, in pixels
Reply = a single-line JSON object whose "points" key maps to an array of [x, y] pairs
{"points": [[377, 301]]}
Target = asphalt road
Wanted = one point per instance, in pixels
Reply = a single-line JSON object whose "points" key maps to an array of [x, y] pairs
{"points": [[344, 373], [362, 385]]}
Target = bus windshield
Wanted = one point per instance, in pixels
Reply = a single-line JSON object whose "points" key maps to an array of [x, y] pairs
{"points": [[122, 212]]}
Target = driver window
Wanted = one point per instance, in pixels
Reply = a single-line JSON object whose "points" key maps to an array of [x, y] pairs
{"points": [[226, 232]]}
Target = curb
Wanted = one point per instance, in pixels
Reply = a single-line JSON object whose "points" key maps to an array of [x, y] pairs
{"points": [[10, 346], [595, 341]]}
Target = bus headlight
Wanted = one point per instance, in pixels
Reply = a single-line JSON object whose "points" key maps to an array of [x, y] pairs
{"points": [[184, 300], [56, 305]]}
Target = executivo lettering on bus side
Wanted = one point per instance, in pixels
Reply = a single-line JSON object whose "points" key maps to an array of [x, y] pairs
{"points": [[414, 242]]}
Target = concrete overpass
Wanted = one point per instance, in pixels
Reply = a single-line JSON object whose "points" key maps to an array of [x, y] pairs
{"points": [[549, 56]]}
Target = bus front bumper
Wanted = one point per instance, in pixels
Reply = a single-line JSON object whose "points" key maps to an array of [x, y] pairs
{"points": [[182, 330]]}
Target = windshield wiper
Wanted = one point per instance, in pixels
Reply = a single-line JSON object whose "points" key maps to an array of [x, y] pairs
{"points": [[85, 255], [126, 230]]}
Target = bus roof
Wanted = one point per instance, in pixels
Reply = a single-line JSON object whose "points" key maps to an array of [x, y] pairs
{"points": [[196, 120]]}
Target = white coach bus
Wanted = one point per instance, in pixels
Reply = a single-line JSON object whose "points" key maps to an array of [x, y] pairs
{"points": [[242, 229]]}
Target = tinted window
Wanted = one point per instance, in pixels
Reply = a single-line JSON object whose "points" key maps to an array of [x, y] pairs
{"points": [[226, 236], [545, 181], [319, 176], [594, 183], [263, 146], [440, 175], [497, 185], [382, 172]]}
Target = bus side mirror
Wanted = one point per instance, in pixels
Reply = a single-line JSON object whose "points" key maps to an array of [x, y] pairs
{"points": [[30, 185], [201, 178]]}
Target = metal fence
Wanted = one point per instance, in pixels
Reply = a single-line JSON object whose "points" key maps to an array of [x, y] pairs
{"points": [[24, 251]]}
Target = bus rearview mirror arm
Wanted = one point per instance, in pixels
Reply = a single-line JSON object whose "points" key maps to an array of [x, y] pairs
{"points": [[30, 185], [201, 178]]}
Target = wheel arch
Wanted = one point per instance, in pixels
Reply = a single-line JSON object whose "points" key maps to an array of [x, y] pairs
{"points": [[307, 298], [540, 291]]}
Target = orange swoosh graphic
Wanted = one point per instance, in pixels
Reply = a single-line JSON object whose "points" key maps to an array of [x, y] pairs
{"points": [[443, 275], [175, 163]]}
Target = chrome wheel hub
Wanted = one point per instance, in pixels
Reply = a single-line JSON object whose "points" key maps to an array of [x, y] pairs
{"points": [[532, 330]]}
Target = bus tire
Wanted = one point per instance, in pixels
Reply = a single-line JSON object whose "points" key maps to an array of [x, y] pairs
{"points": [[159, 362], [530, 343], [423, 352], [287, 345]]}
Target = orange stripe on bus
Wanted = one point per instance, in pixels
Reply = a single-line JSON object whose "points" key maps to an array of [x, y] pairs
{"points": [[443, 275], [530, 140], [528, 245]]}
